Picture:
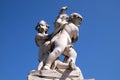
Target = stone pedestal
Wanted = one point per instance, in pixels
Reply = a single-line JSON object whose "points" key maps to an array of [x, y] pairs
{"points": [[55, 75]]}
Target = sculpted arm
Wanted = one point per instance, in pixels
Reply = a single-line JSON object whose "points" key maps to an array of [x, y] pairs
{"points": [[63, 9], [75, 36], [61, 20], [61, 17]]}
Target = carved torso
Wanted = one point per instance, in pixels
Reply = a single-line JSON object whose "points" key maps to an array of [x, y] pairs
{"points": [[72, 30], [40, 39]]}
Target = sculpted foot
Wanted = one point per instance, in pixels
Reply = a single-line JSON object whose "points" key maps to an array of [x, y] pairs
{"points": [[72, 65], [46, 68]]}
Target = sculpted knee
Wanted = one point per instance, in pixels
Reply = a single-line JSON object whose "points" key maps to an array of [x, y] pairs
{"points": [[58, 51], [73, 53]]}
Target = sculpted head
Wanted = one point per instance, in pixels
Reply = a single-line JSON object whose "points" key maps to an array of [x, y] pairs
{"points": [[42, 26], [76, 18], [64, 17]]}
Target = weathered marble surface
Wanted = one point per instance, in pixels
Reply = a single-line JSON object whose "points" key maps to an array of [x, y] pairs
{"points": [[59, 42], [55, 75]]}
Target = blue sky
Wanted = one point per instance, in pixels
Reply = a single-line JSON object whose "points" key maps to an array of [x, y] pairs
{"points": [[98, 47]]}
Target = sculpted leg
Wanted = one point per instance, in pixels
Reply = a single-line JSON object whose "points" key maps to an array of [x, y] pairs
{"points": [[58, 50], [53, 56], [69, 61], [60, 65], [43, 54], [72, 55], [72, 58], [40, 66]]}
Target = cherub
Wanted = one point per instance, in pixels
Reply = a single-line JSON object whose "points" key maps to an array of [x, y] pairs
{"points": [[42, 41], [69, 52], [64, 37]]}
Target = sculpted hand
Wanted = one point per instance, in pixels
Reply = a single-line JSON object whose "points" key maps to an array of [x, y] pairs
{"points": [[63, 9], [64, 22], [47, 43]]}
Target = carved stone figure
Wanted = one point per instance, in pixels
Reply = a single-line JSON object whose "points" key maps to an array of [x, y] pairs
{"points": [[42, 42], [65, 37], [52, 46], [69, 52]]}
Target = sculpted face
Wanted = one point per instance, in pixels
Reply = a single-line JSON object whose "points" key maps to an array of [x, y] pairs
{"points": [[42, 26], [76, 18]]}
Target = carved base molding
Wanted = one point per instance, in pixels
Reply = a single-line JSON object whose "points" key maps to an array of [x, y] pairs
{"points": [[55, 75]]}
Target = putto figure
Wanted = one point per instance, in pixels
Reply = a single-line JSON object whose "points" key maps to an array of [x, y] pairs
{"points": [[59, 42], [52, 46], [67, 35], [42, 41]]}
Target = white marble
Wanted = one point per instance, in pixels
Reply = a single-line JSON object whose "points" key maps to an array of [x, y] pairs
{"points": [[52, 46]]}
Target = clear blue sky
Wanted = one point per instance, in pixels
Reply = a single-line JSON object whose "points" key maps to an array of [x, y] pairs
{"points": [[98, 46]]}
